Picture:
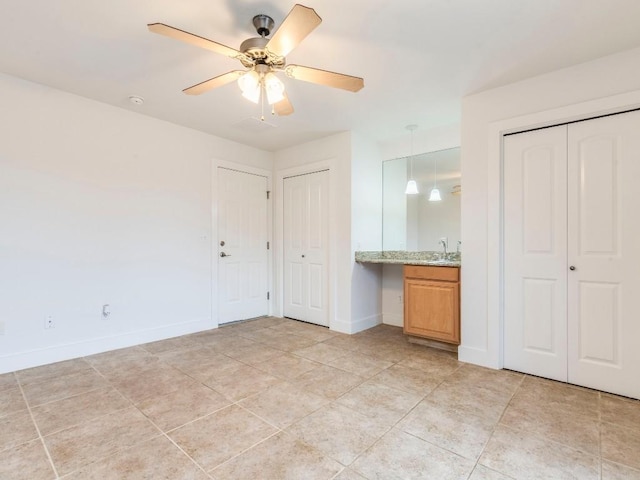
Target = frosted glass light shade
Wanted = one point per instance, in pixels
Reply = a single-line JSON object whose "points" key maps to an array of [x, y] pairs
{"points": [[435, 195], [412, 188], [274, 88], [249, 83]]}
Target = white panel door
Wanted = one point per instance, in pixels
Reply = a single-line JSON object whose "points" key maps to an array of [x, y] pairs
{"points": [[604, 249], [535, 252], [306, 224], [242, 251]]}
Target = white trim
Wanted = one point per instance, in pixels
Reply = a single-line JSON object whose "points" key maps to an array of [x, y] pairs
{"points": [[239, 167], [492, 356], [280, 175], [356, 326]]}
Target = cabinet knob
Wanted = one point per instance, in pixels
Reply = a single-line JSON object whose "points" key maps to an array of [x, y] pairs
{"points": [[572, 268]]}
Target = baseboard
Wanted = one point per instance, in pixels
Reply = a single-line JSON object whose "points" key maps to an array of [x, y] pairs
{"points": [[394, 319], [357, 325], [475, 356], [58, 353]]}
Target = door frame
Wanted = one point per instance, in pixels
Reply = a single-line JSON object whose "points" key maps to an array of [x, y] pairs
{"points": [[332, 269], [238, 167], [492, 353]]}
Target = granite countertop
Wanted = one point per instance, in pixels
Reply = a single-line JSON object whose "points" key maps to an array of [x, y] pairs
{"points": [[401, 257]]}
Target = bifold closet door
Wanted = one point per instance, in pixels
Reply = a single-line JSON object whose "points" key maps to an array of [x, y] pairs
{"points": [[535, 252], [604, 248], [572, 253]]}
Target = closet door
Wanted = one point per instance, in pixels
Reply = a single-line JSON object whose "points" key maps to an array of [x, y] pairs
{"points": [[535, 252], [604, 249], [306, 247]]}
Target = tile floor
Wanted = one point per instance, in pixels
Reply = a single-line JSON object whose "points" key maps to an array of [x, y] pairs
{"points": [[278, 399]]}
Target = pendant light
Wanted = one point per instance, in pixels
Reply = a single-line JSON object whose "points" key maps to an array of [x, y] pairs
{"points": [[412, 186], [435, 193]]}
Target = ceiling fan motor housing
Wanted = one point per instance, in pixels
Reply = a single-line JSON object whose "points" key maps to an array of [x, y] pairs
{"points": [[264, 24], [254, 48]]}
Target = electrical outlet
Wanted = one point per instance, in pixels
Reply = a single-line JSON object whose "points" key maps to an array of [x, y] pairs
{"points": [[48, 322], [399, 298], [106, 311]]}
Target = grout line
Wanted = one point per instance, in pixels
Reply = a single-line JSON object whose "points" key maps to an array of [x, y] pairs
{"points": [[44, 445]]}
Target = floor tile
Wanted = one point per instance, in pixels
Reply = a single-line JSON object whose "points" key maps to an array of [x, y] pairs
{"points": [[282, 458], [242, 382], [287, 366], [473, 400], [435, 364], [28, 461], [530, 458], [160, 380], [379, 401], [157, 459], [563, 426], [410, 380], [7, 381], [254, 354], [54, 416], [560, 396], [229, 343], [621, 445], [621, 411], [346, 342], [327, 381], [216, 366], [51, 371], [399, 455], [446, 427], [348, 474], [170, 345], [183, 405], [484, 473], [283, 404], [222, 435], [496, 380], [88, 442], [15, 429], [11, 401], [190, 358], [65, 386], [614, 471], [321, 352], [360, 364], [288, 342], [125, 361], [338, 432]]}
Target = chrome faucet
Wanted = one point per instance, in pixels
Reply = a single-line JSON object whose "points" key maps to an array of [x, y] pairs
{"points": [[444, 245]]}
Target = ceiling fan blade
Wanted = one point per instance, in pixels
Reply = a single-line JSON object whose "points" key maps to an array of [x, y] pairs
{"points": [[323, 77], [196, 40], [214, 82], [283, 107], [299, 23]]}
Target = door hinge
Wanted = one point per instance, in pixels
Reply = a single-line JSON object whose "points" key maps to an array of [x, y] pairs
{"points": [[267, 245], [268, 193], [268, 296]]}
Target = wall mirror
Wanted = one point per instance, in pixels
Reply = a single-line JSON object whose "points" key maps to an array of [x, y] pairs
{"points": [[412, 222]]}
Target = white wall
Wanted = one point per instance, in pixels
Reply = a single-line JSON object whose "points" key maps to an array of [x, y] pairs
{"points": [[428, 140], [366, 232], [101, 205], [602, 86]]}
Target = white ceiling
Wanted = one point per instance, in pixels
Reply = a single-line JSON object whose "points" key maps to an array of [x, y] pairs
{"points": [[418, 57]]}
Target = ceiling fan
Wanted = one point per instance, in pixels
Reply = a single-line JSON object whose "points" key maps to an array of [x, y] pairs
{"points": [[263, 57]]}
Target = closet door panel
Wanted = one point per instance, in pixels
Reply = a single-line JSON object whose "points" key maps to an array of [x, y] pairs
{"points": [[604, 248], [535, 256]]}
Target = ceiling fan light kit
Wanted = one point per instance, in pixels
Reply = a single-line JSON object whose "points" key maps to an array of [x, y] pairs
{"points": [[264, 58]]}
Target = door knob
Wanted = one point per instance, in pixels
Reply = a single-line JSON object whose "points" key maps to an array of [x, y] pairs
{"points": [[222, 254], [222, 243], [572, 268], [302, 256]]}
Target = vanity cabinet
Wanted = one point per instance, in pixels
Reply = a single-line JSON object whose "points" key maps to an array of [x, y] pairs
{"points": [[432, 302]]}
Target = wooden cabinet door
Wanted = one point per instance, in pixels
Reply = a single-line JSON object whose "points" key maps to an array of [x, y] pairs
{"points": [[432, 309]]}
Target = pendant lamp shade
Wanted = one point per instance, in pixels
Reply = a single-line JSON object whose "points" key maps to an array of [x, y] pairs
{"points": [[412, 188]]}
